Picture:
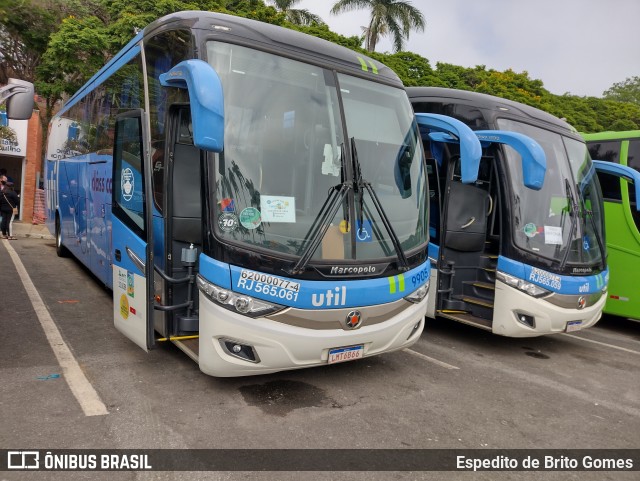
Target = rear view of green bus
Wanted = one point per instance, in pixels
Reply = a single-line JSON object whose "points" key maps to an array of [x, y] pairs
{"points": [[622, 220]]}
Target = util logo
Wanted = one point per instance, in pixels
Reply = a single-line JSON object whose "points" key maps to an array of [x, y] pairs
{"points": [[333, 297]]}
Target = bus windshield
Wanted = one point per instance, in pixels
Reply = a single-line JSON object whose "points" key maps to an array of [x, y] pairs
{"points": [[561, 221], [286, 150]]}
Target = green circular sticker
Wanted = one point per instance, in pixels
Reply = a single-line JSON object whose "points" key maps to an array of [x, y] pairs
{"points": [[250, 218], [530, 229]]}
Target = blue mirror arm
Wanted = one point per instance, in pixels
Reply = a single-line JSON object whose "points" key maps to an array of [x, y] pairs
{"points": [[205, 95], [627, 173], [470, 149], [534, 160]]}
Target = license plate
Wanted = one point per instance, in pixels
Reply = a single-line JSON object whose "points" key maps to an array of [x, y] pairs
{"points": [[574, 326], [342, 354]]}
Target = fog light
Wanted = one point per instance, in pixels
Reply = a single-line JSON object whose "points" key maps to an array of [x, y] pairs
{"points": [[236, 349], [527, 320], [415, 329]]}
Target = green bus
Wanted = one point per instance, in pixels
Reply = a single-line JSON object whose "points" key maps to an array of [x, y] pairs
{"points": [[622, 220]]}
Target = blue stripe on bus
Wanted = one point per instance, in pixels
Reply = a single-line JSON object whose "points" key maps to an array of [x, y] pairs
{"points": [[304, 294], [433, 251], [559, 283]]}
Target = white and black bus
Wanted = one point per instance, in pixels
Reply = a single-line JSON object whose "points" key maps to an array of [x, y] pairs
{"points": [[255, 195], [518, 249]]}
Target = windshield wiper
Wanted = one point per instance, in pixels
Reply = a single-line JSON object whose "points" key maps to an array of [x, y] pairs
{"points": [[572, 215], [360, 185], [332, 204], [589, 213], [322, 222]]}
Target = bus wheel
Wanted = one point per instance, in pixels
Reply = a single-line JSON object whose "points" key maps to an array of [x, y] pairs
{"points": [[60, 249]]}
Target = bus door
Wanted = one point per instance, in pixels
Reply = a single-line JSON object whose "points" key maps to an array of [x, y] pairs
{"points": [[132, 232], [471, 228], [465, 281], [440, 130], [183, 224]]}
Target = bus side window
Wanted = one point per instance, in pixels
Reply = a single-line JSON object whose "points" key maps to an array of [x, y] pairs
{"points": [[609, 151], [633, 161], [128, 185], [610, 185]]}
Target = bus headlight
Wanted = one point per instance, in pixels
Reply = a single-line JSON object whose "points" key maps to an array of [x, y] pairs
{"points": [[419, 294], [241, 303], [524, 286]]}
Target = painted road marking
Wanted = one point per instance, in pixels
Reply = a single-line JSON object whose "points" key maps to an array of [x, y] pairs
{"points": [[429, 359], [603, 344], [81, 388]]}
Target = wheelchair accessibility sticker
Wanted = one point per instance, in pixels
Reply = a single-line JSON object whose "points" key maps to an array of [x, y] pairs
{"points": [[363, 232]]}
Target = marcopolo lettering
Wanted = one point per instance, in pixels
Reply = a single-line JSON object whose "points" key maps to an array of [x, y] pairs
{"points": [[336, 270], [352, 270]]}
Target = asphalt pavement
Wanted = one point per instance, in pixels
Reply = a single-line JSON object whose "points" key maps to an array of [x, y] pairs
{"points": [[456, 388]]}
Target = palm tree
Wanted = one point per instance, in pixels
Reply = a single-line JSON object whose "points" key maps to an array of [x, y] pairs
{"points": [[388, 17], [296, 15]]}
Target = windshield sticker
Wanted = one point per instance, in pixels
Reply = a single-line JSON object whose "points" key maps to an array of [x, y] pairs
{"points": [[331, 164], [363, 232], [545, 278], [278, 208], [586, 243], [227, 205], [530, 230], [344, 226], [250, 218], [552, 235], [228, 222], [126, 181]]}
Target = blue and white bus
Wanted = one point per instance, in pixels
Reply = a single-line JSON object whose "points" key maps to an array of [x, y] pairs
{"points": [[519, 248], [255, 195]]}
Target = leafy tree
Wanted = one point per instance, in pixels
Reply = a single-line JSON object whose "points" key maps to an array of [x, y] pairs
{"points": [[322, 31], [627, 91], [297, 16], [413, 69], [25, 27], [97, 29], [388, 17]]}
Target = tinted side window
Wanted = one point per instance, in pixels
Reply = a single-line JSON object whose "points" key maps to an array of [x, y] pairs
{"points": [[610, 185], [128, 183], [607, 150], [468, 114], [633, 160], [123, 91], [162, 53]]}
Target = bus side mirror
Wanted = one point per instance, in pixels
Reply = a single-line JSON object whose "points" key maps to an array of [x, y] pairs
{"points": [[205, 96], [441, 128], [534, 160], [19, 97]]}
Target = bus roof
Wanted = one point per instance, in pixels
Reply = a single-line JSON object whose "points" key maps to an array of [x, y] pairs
{"points": [[299, 45], [492, 103], [250, 32]]}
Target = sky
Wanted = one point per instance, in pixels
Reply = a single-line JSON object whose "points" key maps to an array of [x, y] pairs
{"points": [[581, 47]]}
